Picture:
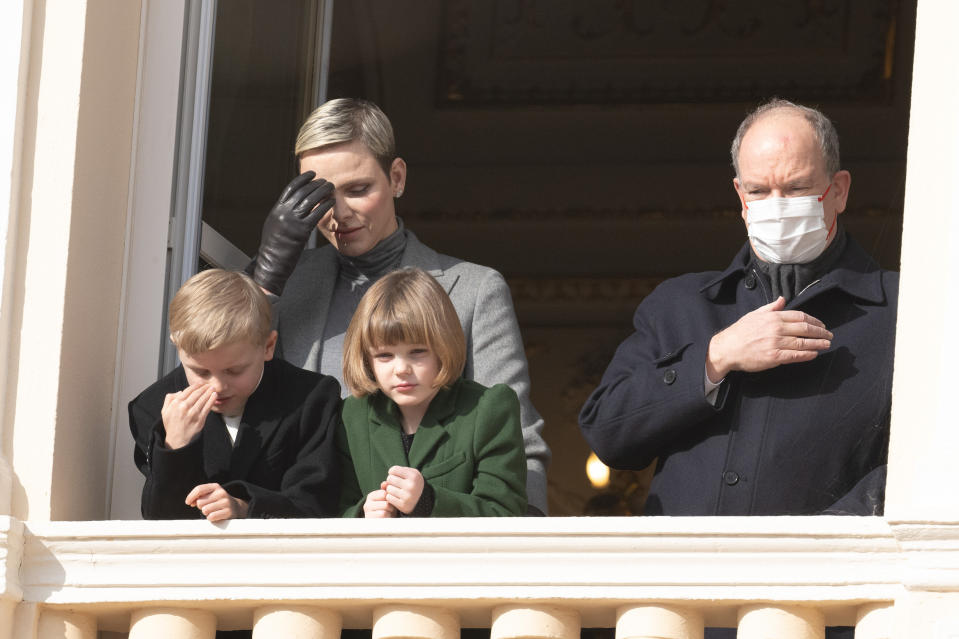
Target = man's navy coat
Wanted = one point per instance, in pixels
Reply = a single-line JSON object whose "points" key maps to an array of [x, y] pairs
{"points": [[284, 462], [801, 438]]}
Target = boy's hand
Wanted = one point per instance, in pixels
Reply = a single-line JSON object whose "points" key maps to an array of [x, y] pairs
{"points": [[404, 487], [216, 504], [184, 413], [376, 506]]}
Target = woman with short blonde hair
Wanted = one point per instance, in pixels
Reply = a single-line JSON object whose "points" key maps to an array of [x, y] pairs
{"points": [[351, 178]]}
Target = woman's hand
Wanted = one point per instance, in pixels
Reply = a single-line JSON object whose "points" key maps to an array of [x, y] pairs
{"points": [[287, 228]]}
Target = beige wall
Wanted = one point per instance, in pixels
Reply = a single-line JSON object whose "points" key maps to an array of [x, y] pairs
{"points": [[65, 268], [923, 472], [62, 306], [152, 196], [71, 222]]}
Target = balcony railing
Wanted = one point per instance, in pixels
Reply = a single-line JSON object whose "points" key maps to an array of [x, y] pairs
{"points": [[784, 577]]}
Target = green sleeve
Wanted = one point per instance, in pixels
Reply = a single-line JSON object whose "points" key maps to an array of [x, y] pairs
{"points": [[499, 480], [351, 497]]}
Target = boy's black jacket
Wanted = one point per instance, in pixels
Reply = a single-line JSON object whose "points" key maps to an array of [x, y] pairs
{"points": [[283, 463]]}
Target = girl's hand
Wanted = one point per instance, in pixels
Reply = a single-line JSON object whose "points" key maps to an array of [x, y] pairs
{"points": [[404, 486], [216, 504], [376, 506]]}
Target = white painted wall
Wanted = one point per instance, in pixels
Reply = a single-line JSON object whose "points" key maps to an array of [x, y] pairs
{"points": [[86, 250], [153, 168], [14, 56], [48, 164], [923, 468], [65, 262]]}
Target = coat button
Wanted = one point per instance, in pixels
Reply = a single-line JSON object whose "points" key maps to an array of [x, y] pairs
{"points": [[750, 281], [730, 478], [669, 376]]}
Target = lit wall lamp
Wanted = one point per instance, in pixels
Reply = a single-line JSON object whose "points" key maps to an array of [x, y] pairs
{"points": [[597, 472]]}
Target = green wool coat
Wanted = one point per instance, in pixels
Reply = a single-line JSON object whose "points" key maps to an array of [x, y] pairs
{"points": [[469, 448]]}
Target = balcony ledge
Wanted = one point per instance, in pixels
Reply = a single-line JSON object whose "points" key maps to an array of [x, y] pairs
{"points": [[592, 565]]}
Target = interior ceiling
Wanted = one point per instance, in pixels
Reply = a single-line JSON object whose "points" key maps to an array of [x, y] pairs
{"points": [[581, 147]]}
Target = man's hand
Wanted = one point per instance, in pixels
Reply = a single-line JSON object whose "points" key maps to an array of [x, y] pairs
{"points": [[288, 227], [764, 339], [376, 506], [184, 413], [216, 504], [403, 488]]}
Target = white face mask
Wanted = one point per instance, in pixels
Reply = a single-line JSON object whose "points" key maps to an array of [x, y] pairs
{"points": [[788, 230]]}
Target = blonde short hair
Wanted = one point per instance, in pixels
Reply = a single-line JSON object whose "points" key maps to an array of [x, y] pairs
{"points": [[345, 120], [405, 306], [216, 307]]}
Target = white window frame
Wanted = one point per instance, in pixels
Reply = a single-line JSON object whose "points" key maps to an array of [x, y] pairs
{"points": [[164, 220]]}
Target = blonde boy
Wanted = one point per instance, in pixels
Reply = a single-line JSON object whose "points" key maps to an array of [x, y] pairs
{"points": [[232, 432]]}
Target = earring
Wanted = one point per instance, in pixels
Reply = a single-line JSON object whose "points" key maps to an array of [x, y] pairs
{"points": [[399, 193]]}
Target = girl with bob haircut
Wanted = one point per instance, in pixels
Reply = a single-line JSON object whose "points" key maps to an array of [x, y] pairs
{"points": [[418, 439]]}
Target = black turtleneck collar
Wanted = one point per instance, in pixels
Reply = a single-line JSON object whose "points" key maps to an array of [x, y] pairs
{"points": [[789, 280], [378, 261]]}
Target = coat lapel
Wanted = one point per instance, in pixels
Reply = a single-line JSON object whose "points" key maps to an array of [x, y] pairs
{"points": [[217, 448], [419, 255], [324, 287], [259, 421], [216, 443], [303, 333], [855, 273], [385, 443], [431, 432]]}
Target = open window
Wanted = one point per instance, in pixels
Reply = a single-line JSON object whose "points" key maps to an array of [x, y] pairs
{"points": [[569, 145]]}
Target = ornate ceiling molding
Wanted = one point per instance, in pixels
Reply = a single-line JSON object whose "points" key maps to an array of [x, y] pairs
{"points": [[551, 216], [582, 290], [546, 51]]}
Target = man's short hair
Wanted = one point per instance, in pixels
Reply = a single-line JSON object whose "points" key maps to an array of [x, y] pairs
{"points": [[345, 120], [822, 127], [216, 307], [406, 306]]}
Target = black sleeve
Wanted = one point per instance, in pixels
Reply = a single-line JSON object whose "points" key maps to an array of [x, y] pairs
{"points": [[866, 497], [170, 474], [310, 486]]}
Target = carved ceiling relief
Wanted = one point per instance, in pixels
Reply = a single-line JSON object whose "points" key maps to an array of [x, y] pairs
{"points": [[543, 51], [521, 27]]}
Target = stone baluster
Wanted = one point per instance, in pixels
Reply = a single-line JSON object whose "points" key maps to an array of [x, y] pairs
{"points": [[296, 622], [766, 621], [415, 622], [534, 622], [658, 622], [163, 623], [62, 624], [874, 621]]}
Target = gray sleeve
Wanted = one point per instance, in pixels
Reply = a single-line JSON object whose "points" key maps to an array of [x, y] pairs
{"points": [[498, 358], [711, 389]]}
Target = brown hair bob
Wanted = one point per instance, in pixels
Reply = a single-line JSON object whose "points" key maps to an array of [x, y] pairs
{"points": [[406, 306]]}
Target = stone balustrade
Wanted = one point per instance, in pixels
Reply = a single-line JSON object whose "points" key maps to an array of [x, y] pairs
{"points": [[662, 578]]}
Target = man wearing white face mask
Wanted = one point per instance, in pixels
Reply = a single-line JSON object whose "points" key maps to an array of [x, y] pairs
{"points": [[765, 388]]}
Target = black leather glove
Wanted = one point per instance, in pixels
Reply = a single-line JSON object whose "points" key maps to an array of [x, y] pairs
{"points": [[287, 228]]}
